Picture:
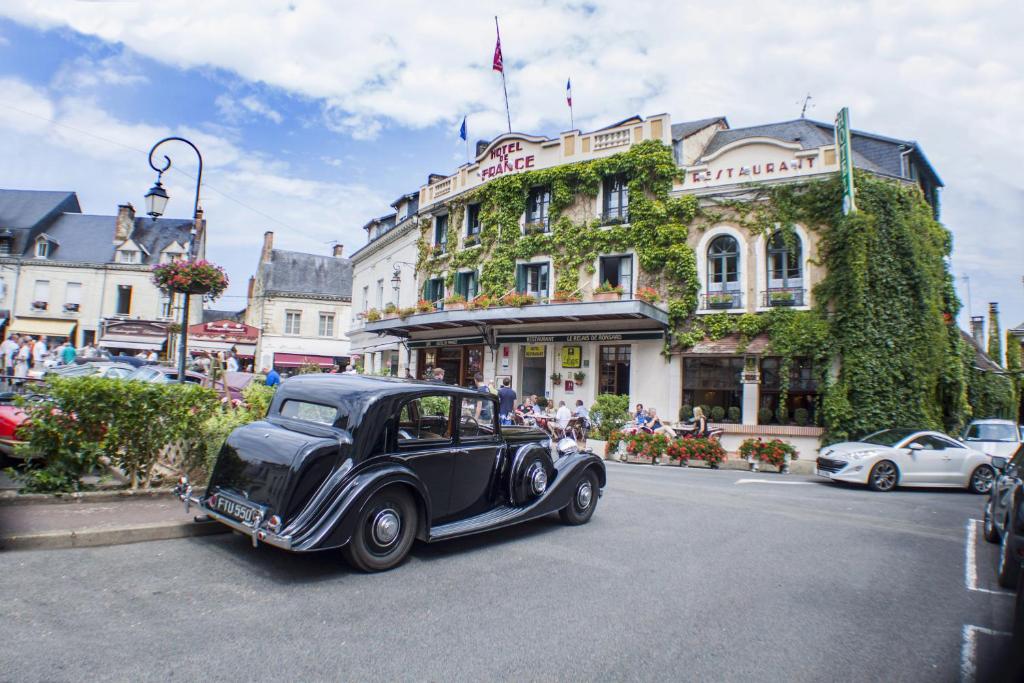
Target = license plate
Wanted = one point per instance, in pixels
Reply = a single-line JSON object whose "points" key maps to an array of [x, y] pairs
{"points": [[823, 473], [236, 509]]}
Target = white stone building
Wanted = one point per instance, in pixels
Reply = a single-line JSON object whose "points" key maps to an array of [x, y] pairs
{"points": [[302, 303]]}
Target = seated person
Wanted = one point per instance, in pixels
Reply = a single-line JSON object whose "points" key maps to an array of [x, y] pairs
{"points": [[640, 416], [657, 426]]}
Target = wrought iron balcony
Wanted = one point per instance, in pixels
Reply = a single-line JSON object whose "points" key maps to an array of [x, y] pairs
{"points": [[777, 297], [721, 300]]}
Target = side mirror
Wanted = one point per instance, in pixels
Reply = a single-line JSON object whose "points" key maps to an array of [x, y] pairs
{"points": [[999, 463], [916, 447]]}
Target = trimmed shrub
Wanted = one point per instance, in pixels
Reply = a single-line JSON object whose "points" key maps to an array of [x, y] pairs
{"points": [[764, 416], [734, 414], [801, 416], [717, 414], [685, 412], [782, 415], [609, 413]]}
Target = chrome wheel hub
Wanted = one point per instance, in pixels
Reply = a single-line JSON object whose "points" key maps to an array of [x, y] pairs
{"points": [[386, 527], [983, 480], [885, 476], [538, 479], [584, 494]]}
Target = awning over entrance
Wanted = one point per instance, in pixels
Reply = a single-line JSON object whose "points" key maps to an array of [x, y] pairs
{"points": [[502, 316], [247, 350], [295, 360], [119, 341], [42, 326]]}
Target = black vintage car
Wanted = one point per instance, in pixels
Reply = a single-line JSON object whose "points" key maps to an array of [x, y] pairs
{"points": [[368, 464]]}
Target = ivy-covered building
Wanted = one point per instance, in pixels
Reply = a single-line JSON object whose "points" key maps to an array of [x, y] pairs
{"points": [[681, 264]]}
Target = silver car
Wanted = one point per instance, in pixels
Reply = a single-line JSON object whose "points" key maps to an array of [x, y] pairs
{"points": [[907, 457]]}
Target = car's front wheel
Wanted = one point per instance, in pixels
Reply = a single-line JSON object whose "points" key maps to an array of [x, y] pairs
{"points": [[584, 501], [884, 476], [1008, 571], [989, 529], [982, 480], [384, 533]]}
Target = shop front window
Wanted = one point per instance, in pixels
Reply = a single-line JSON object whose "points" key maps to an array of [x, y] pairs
{"points": [[714, 384], [614, 376], [801, 397]]}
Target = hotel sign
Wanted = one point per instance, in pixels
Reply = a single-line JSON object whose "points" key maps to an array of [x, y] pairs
{"points": [[845, 159], [579, 338], [506, 158]]}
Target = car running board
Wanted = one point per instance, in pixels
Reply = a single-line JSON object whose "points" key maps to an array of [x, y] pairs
{"points": [[487, 520]]}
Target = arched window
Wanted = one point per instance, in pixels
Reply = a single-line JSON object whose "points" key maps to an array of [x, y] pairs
{"points": [[723, 264], [785, 270]]}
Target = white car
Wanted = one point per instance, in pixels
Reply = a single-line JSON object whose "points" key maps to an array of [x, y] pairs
{"points": [[907, 457], [993, 437]]}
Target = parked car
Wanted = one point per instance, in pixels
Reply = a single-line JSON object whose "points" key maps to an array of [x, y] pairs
{"points": [[368, 464], [907, 457], [163, 375], [12, 417], [993, 437], [1004, 517], [93, 369], [230, 384]]}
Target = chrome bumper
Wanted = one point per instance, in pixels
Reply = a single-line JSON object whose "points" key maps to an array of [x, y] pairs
{"points": [[184, 491]]}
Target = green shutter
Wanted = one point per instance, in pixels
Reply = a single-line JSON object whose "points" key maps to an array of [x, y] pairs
{"points": [[520, 278]]}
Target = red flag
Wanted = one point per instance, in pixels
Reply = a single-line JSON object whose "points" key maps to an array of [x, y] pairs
{"points": [[497, 64]]}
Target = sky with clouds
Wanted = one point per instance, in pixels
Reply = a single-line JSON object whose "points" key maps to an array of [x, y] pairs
{"points": [[313, 115]]}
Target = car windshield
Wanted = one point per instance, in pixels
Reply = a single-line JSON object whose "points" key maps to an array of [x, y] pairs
{"points": [[991, 431], [888, 437]]}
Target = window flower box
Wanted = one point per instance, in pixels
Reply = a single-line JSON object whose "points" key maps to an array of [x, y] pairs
{"points": [[607, 292], [648, 294], [373, 315], [39, 305], [563, 297], [782, 298], [471, 240], [71, 308], [720, 301], [390, 311], [538, 228], [455, 302]]}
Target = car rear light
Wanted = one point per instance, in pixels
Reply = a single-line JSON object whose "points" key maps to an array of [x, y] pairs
{"points": [[274, 523], [212, 501]]}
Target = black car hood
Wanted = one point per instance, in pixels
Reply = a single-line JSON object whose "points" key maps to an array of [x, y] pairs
{"points": [[520, 433]]}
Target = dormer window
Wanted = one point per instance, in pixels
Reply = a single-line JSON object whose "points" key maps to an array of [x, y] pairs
{"points": [[170, 256], [42, 248], [131, 256]]}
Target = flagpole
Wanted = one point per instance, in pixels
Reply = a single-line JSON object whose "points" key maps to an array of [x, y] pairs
{"points": [[508, 114]]}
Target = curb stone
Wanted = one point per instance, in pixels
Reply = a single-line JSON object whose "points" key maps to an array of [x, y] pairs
{"points": [[14, 498], [86, 538]]}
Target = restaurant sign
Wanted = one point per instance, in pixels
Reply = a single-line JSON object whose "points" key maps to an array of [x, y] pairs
{"points": [[578, 338], [436, 343]]}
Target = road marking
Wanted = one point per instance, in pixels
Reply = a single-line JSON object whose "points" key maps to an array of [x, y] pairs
{"points": [[772, 481], [969, 650], [971, 561]]}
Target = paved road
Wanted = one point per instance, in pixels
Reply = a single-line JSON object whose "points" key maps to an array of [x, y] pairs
{"points": [[681, 575]]}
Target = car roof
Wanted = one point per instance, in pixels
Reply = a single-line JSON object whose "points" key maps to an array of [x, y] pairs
{"points": [[993, 421], [370, 386]]}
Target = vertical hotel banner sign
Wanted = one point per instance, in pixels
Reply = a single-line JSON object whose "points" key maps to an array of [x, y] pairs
{"points": [[845, 159]]}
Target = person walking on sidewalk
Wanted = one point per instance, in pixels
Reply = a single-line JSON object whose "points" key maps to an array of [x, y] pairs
{"points": [[10, 349], [69, 353], [506, 401]]}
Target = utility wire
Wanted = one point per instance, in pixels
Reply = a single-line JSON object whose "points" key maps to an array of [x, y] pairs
{"points": [[144, 153]]}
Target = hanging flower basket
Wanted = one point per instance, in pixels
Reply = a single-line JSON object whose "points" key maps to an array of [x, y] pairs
{"points": [[191, 277]]}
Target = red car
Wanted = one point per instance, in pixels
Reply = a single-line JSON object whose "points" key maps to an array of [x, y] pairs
{"points": [[11, 419]]}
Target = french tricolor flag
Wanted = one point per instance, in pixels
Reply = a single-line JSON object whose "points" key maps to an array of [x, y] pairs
{"points": [[568, 91]]}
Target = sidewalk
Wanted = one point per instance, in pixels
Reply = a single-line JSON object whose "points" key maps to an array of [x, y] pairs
{"points": [[108, 522]]}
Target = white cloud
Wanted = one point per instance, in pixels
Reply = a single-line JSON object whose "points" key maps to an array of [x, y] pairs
{"points": [[85, 73], [241, 109], [943, 73]]}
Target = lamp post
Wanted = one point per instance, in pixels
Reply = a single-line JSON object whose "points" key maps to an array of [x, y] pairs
{"points": [[396, 277], [156, 202]]}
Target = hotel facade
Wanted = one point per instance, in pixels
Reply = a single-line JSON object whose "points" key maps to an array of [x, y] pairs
{"points": [[565, 301]]}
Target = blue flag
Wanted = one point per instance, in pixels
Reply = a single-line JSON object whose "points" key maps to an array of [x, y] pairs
{"points": [[462, 130]]}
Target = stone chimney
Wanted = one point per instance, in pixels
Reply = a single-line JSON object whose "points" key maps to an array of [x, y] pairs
{"points": [[252, 284], [268, 246], [125, 223], [978, 330], [339, 250]]}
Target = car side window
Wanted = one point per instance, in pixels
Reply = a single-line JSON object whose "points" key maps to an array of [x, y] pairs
{"points": [[946, 443], [928, 442], [425, 419], [477, 418]]}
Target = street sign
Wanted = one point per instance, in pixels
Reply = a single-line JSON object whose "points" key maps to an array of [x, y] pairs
{"points": [[845, 159]]}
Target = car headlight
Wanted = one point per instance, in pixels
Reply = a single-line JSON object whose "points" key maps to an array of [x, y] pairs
{"points": [[858, 455], [567, 446]]}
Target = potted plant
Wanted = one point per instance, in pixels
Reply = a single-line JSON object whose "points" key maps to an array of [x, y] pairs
{"points": [[390, 311], [438, 249], [776, 452], [471, 240], [720, 300], [563, 296], [71, 307], [424, 306], [579, 376], [455, 302], [556, 378], [782, 298], [537, 228], [517, 299], [39, 305], [191, 277], [607, 292], [481, 302], [406, 311], [648, 294], [373, 315]]}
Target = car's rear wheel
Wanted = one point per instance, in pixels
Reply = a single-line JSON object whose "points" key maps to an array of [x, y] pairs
{"points": [[982, 480], [1008, 571], [384, 533], [989, 529], [584, 501], [884, 476]]}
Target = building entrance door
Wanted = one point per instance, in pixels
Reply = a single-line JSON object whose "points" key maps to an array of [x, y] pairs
{"points": [[534, 364], [473, 362]]}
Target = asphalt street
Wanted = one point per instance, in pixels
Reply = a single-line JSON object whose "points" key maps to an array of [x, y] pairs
{"points": [[683, 574]]}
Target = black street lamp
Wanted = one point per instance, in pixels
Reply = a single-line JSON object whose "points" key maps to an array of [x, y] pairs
{"points": [[156, 202]]}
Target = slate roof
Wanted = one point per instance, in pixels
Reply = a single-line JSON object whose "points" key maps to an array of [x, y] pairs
{"points": [[982, 361], [90, 239], [294, 272], [688, 128], [212, 315], [30, 208]]}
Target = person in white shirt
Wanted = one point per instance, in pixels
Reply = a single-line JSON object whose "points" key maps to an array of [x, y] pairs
{"points": [[39, 353], [563, 415], [9, 349], [232, 363]]}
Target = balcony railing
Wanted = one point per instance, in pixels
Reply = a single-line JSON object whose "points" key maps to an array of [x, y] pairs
{"points": [[713, 301], [537, 227], [777, 297]]}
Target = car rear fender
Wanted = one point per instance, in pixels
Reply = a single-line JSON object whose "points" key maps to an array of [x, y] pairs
{"points": [[338, 520]]}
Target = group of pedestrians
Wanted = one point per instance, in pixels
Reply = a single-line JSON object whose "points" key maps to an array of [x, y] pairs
{"points": [[22, 352]]}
